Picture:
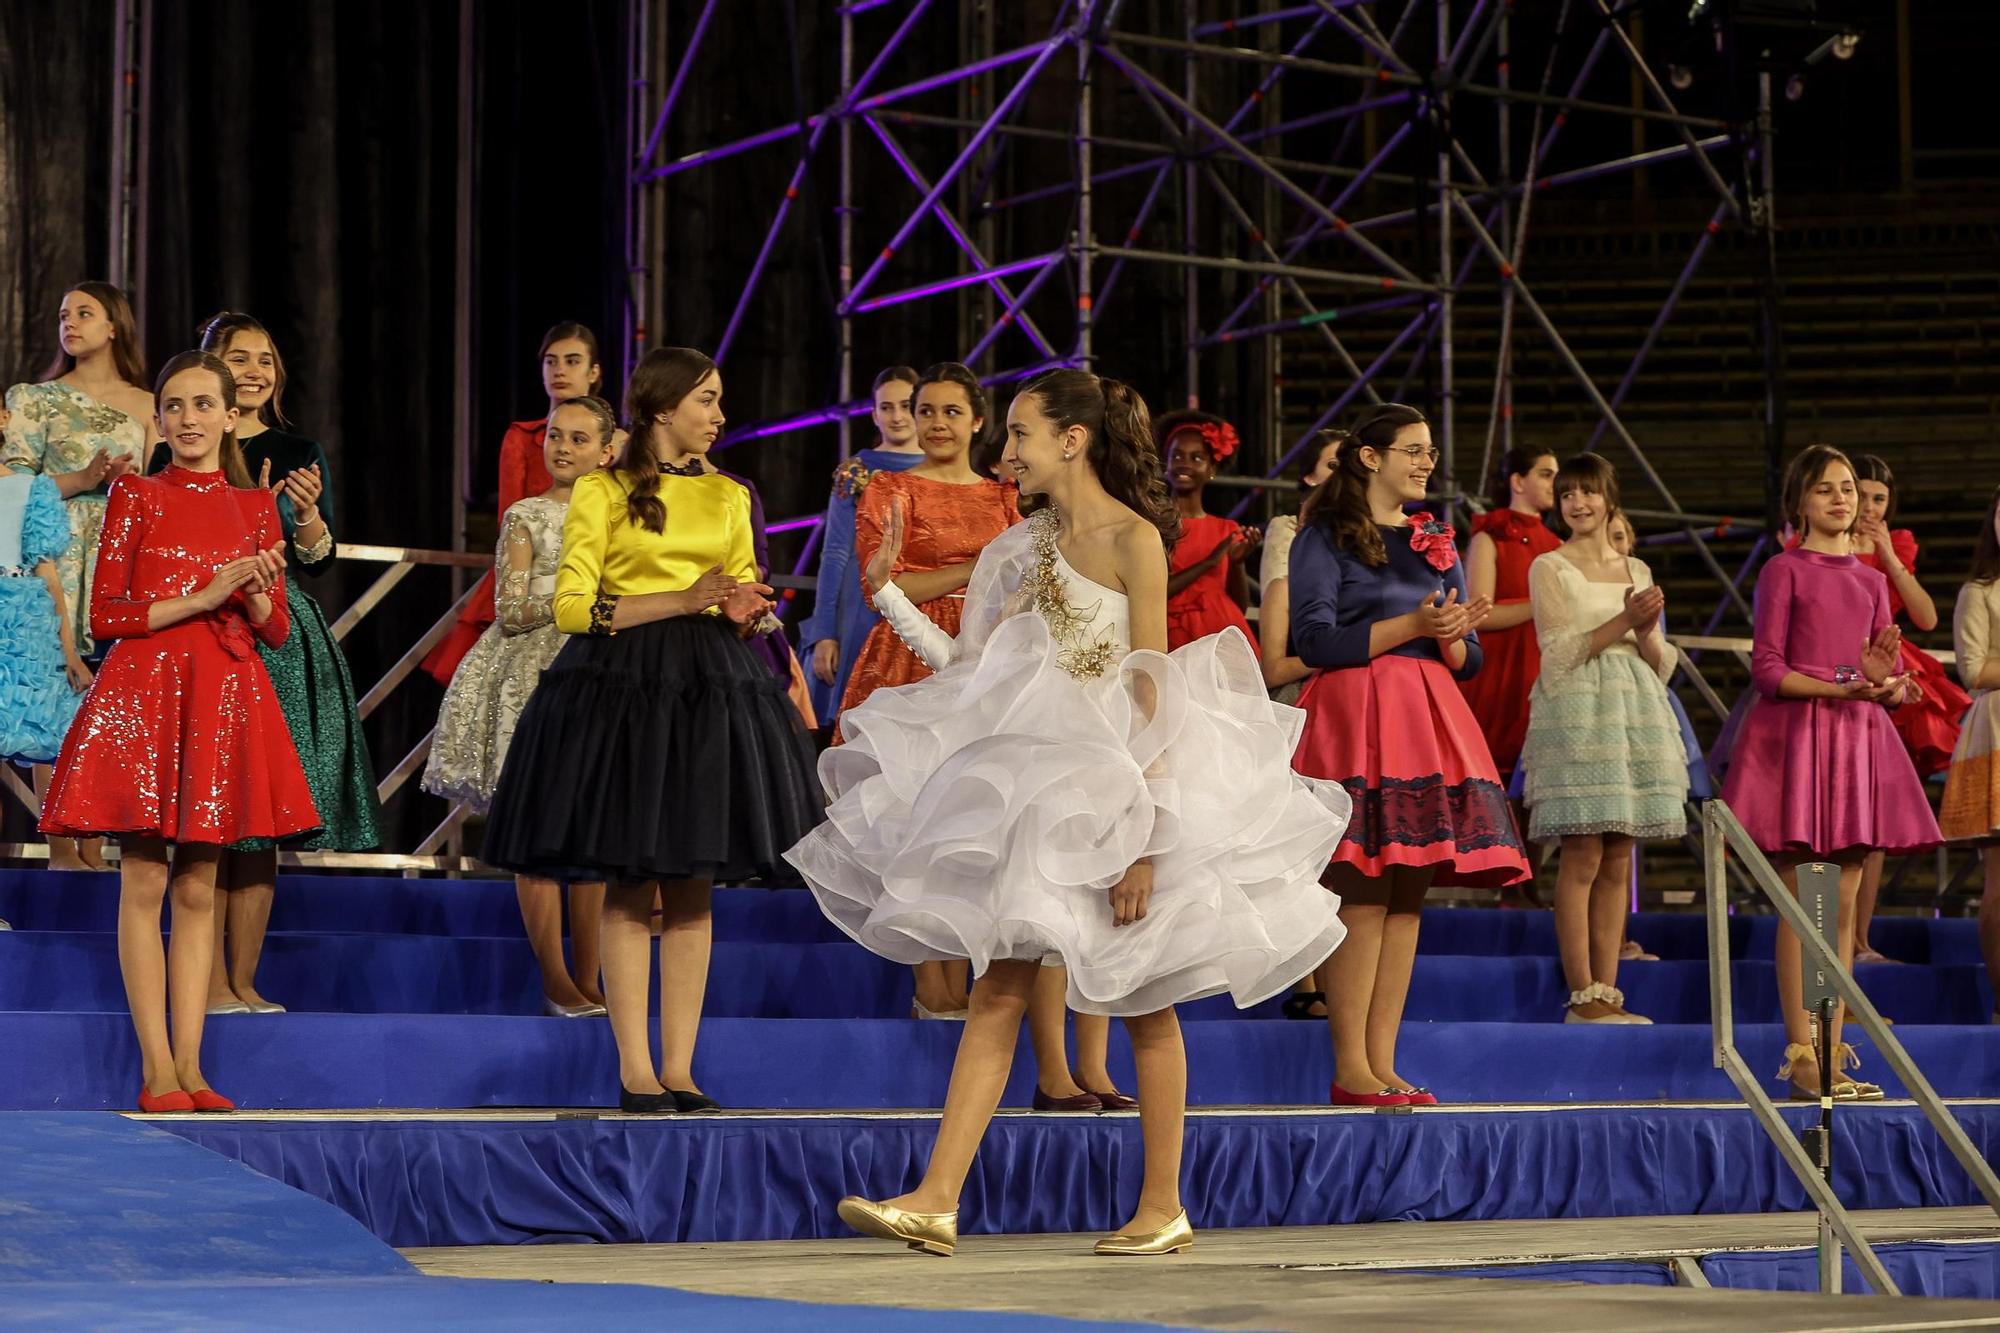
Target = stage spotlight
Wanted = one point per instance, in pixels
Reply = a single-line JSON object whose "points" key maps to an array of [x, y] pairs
{"points": [[1843, 45], [1680, 76], [1795, 87]]}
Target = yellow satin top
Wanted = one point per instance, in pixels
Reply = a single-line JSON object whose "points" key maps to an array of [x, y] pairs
{"points": [[605, 551]]}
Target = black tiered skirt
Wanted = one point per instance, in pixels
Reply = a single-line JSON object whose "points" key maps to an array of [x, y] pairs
{"points": [[666, 751]]}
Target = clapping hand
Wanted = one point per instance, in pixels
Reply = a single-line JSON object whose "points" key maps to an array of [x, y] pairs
{"points": [[881, 566], [747, 603], [267, 569], [303, 485], [1880, 654], [1242, 542], [1448, 620], [1643, 607]]}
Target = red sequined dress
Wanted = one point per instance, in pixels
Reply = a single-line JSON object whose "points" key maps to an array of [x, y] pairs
{"points": [[1498, 695], [1204, 607], [181, 736]]}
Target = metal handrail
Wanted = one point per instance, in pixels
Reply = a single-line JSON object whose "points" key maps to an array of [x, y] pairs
{"points": [[1722, 834]]}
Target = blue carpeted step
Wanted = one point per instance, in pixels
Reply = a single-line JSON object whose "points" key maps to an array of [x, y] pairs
{"points": [[51, 900], [498, 1181], [424, 974], [86, 1061]]}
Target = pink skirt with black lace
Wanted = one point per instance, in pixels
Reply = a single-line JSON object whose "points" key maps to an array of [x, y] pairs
{"points": [[1397, 734]]}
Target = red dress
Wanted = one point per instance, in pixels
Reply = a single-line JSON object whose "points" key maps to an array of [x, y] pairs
{"points": [[181, 736], [1928, 726], [1204, 607], [522, 474], [1498, 695], [943, 524]]}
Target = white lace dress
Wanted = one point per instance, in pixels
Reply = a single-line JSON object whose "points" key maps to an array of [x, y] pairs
{"points": [[492, 684], [986, 811]]}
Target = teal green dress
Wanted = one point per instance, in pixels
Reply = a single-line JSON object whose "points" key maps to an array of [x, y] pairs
{"points": [[309, 672]]}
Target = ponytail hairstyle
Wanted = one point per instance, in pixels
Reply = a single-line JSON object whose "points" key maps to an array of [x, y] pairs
{"points": [[1804, 474], [233, 466], [951, 372], [607, 420], [128, 354], [1341, 502], [1121, 450], [569, 328], [662, 378], [1986, 551], [1516, 462], [220, 330], [1871, 467]]}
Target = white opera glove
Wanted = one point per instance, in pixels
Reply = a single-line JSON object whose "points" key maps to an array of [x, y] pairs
{"points": [[914, 628]]}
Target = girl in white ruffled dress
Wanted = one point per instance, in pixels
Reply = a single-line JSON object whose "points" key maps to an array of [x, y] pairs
{"points": [[1063, 787]]}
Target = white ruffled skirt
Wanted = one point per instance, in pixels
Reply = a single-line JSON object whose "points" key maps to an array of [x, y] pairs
{"points": [[986, 812]]}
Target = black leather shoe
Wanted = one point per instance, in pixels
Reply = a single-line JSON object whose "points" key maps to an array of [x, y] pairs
{"points": [[647, 1103], [692, 1102]]}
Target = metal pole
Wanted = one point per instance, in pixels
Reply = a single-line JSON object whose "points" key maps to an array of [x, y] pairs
{"points": [[1447, 384], [1764, 223], [462, 315], [1190, 276], [1086, 236]]}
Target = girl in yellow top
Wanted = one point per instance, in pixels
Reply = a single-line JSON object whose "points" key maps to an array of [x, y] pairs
{"points": [[658, 753]]}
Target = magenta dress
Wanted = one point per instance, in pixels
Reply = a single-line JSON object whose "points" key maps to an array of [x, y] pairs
{"points": [[1822, 776]]}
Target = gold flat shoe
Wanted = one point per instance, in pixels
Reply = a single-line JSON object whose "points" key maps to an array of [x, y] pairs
{"points": [[1172, 1238], [931, 1233]]}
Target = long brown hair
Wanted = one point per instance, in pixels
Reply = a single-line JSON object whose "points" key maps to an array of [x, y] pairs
{"points": [[1121, 450], [1341, 502], [662, 378], [1804, 474], [1592, 473], [128, 354], [220, 330], [1986, 551], [233, 466]]}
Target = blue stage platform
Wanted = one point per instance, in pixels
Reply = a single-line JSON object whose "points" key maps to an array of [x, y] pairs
{"points": [[492, 1180], [108, 1223], [422, 993]]}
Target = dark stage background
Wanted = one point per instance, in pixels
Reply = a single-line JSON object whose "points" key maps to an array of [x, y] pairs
{"points": [[303, 163]]}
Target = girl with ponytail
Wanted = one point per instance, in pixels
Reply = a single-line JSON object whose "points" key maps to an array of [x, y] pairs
{"points": [[657, 753], [181, 747], [1064, 789], [1379, 608]]}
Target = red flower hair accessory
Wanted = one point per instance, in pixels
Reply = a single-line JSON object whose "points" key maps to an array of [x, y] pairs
{"points": [[1433, 539], [1220, 437]]}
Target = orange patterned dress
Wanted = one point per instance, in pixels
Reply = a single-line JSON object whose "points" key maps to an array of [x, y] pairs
{"points": [[943, 524]]}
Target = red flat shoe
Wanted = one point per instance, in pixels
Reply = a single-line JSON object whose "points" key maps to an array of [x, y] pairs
{"points": [[1114, 1101], [1340, 1096], [1420, 1096], [208, 1099], [1083, 1101], [166, 1103]]}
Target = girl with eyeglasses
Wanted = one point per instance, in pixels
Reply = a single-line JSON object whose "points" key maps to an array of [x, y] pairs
{"points": [[1379, 609]]}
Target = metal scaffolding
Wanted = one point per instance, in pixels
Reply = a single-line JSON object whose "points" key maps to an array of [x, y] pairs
{"points": [[1296, 186]]}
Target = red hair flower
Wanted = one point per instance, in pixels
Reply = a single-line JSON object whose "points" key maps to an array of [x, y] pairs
{"points": [[1434, 540], [1220, 437]]}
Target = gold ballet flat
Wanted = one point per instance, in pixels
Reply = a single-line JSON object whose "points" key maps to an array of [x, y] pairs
{"points": [[1172, 1238], [931, 1233]]}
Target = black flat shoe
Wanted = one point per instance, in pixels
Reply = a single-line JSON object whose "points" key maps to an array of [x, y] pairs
{"points": [[1299, 1004], [647, 1103], [689, 1103]]}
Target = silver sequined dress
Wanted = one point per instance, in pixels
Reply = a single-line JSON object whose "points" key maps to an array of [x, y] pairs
{"points": [[492, 685]]}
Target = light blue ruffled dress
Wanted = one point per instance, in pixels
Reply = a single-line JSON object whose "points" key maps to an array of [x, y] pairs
{"points": [[1604, 752], [36, 701]]}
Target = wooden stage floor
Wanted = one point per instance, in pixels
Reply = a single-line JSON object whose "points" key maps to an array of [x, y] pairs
{"points": [[1290, 1278]]}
